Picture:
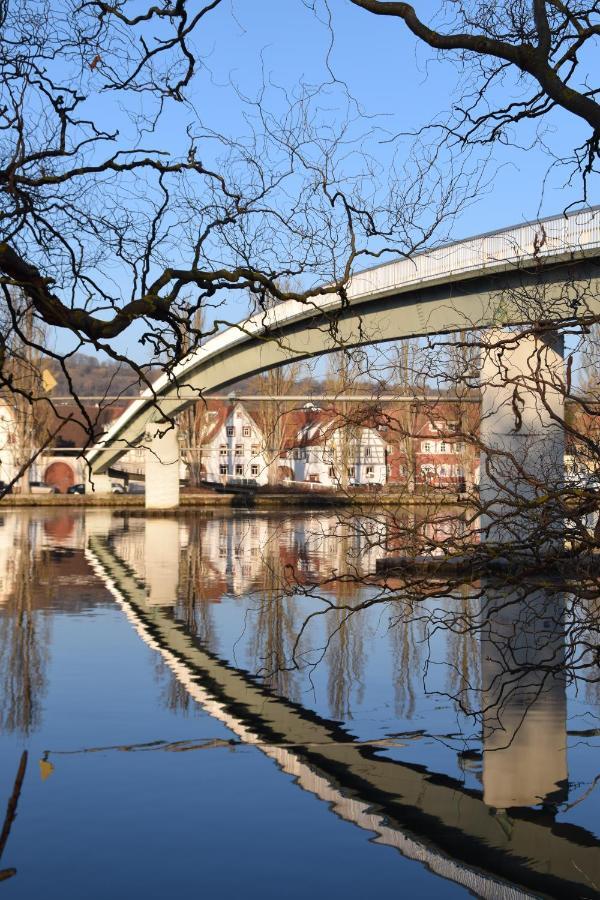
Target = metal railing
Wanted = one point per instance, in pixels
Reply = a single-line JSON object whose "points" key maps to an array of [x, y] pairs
{"points": [[578, 232]]}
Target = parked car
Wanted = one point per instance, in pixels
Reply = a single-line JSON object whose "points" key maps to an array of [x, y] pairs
{"points": [[136, 487], [76, 489], [40, 487], [117, 488], [5, 488]]}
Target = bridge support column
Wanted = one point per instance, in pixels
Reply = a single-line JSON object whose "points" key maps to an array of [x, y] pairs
{"points": [[162, 466], [522, 436]]}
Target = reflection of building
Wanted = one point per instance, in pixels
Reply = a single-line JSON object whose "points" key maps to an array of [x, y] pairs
{"points": [[524, 697], [11, 551], [238, 552]]}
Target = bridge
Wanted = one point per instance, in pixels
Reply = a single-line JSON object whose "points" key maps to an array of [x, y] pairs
{"points": [[427, 816], [546, 271]]}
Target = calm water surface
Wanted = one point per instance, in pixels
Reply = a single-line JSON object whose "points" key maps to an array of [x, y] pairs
{"points": [[188, 709]]}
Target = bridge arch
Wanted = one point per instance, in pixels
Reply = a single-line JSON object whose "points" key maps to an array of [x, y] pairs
{"points": [[548, 269]]}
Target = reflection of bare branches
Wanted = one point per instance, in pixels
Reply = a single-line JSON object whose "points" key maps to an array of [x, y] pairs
{"points": [[11, 812], [274, 626], [463, 655], [345, 660], [23, 646], [193, 607], [407, 654]]}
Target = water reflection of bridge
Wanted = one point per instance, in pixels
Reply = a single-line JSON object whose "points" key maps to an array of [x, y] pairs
{"points": [[427, 816]]}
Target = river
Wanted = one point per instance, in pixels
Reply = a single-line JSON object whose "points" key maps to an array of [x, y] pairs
{"points": [[231, 704]]}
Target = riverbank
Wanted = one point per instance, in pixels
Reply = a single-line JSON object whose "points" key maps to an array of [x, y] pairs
{"points": [[257, 500]]}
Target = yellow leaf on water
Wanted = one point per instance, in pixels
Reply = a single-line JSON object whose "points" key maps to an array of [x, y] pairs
{"points": [[46, 769]]}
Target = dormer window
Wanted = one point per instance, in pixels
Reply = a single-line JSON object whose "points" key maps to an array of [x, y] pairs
{"points": [[437, 427]]}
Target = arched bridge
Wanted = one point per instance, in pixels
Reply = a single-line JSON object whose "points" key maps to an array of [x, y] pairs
{"points": [[545, 270]]}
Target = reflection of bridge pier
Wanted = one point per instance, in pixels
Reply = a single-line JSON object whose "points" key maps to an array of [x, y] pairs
{"points": [[524, 697], [162, 553]]}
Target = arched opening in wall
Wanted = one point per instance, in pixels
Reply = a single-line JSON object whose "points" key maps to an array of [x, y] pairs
{"points": [[61, 475]]}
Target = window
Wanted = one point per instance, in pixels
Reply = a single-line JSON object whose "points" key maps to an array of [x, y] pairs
{"points": [[223, 450], [459, 447], [313, 479], [222, 551], [239, 470], [443, 447], [331, 472], [367, 451], [426, 446], [239, 450], [370, 471], [246, 431], [222, 470], [350, 471], [254, 470], [254, 450], [230, 431], [299, 453]]}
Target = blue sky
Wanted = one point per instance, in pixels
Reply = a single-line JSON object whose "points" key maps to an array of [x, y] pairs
{"points": [[393, 78]]}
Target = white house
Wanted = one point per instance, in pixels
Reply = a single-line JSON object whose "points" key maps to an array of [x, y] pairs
{"points": [[327, 449], [233, 448], [9, 450]]}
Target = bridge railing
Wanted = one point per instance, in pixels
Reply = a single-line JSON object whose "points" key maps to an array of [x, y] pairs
{"points": [[574, 233]]}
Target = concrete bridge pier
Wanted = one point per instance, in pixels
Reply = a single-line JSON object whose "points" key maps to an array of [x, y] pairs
{"points": [[522, 437], [161, 444]]}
